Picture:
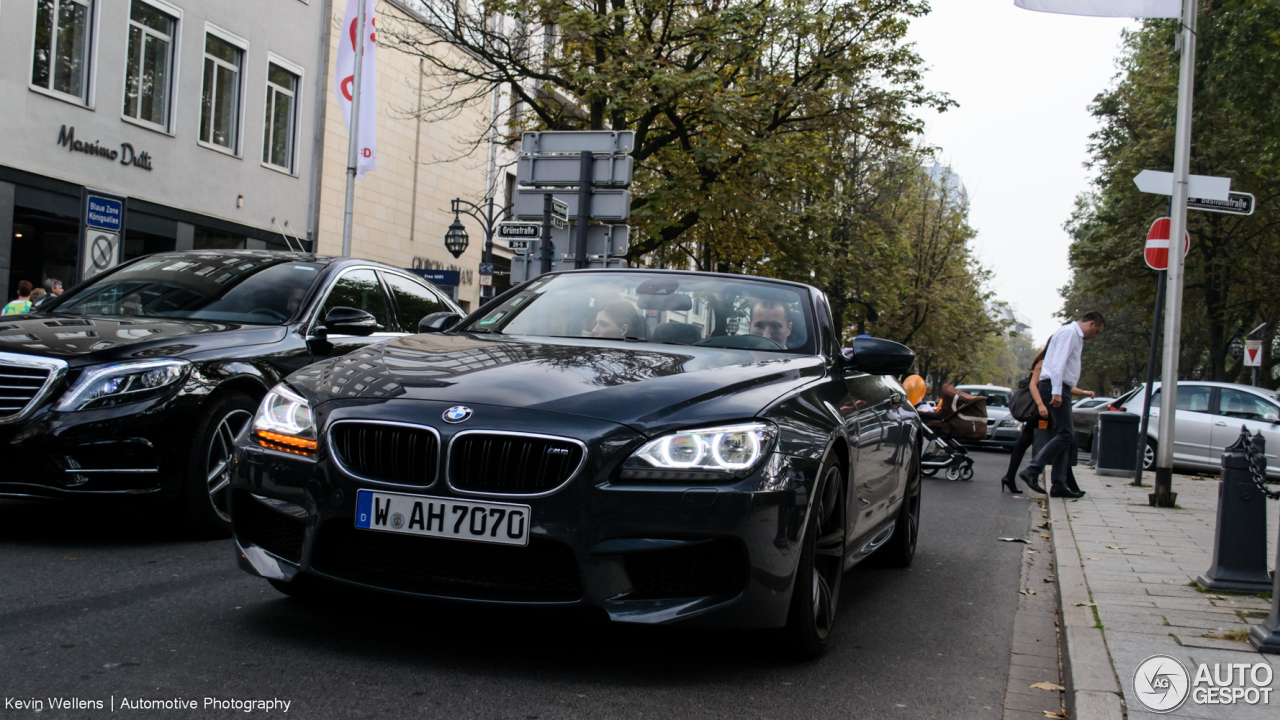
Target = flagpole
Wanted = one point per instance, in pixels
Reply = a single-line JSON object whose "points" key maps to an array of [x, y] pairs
{"points": [[1163, 495], [353, 145]]}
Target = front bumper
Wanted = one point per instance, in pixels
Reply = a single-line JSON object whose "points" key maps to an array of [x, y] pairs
{"points": [[135, 449], [721, 555]]}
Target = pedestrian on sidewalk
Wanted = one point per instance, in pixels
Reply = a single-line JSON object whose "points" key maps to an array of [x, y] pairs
{"points": [[1027, 438], [1058, 376], [23, 303]]}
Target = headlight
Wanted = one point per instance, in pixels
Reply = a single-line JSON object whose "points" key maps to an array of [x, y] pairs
{"points": [[285, 422], [120, 383], [1009, 422], [705, 454]]}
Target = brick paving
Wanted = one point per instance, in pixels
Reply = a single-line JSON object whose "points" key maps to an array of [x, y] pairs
{"points": [[1135, 564]]}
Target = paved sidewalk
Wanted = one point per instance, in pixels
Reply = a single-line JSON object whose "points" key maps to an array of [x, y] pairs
{"points": [[1132, 565]]}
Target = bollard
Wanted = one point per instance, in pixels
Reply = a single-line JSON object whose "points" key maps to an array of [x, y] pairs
{"points": [[1265, 637], [1240, 544]]}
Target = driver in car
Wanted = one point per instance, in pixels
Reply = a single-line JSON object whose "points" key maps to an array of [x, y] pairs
{"points": [[770, 319]]}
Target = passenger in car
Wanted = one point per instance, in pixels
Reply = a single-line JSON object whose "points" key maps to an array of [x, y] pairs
{"points": [[617, 320]]}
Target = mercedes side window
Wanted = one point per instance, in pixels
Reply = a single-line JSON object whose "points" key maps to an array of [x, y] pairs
{"points": [[359, 289], [414, 301]]}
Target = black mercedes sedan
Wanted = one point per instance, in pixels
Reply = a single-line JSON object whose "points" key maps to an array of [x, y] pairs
{"points": [[136, 383], [662, 446]]}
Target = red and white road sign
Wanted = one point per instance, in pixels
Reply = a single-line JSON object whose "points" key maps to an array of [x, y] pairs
{"points": [[1253, 353], [1157, 252]]}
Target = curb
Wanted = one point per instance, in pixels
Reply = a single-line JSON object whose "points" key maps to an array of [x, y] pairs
{"points": [[1093, 692]]}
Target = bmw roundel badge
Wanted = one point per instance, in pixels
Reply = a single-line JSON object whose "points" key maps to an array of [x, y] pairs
{"points": [[457, 414]]}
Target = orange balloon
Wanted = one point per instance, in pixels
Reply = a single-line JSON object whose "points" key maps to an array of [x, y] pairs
{"points": [[914, 386]]}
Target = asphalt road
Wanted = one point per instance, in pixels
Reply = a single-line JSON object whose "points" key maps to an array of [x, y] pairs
{"points": [[95, 606]]}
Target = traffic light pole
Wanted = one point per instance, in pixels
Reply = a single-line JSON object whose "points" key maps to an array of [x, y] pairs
{"points": [[1164, 495]]}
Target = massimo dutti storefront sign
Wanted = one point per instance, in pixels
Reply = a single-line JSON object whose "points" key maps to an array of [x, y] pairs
{"points": [[126, 155]]}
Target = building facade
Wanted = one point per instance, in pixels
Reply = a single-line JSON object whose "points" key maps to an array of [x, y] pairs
{"points": [[402, 209], [192, 122]]}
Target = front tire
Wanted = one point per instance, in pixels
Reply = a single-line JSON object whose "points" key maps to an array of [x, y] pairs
{"points": [[1149, 455], [205, 493], [816, 594]]}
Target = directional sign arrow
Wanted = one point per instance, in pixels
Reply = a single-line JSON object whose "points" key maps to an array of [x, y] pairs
{"points": [[1206, 187]]}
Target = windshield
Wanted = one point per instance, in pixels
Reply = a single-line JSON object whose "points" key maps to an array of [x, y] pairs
{"points": [[250, 289], [995, 398], [659, 308]]}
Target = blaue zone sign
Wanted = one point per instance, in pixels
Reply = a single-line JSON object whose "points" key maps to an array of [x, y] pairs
{"points": [[103, 213]]}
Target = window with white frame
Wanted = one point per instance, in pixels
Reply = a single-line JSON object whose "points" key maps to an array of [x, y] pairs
{"points": [[149, 69], [220, 102], [281, 122], [60, 60]]}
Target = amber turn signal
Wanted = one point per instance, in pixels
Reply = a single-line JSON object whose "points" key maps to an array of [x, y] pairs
{"points": [[285, 443]]}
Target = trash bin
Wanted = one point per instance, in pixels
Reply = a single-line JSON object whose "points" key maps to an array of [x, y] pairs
{"points": [[1117, 442]]}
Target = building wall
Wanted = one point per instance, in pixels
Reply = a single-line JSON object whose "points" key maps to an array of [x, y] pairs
{"points": [[184, 175], [386, 207]]}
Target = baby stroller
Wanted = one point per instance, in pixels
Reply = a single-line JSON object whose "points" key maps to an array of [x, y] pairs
{"points": [[959, 416]]}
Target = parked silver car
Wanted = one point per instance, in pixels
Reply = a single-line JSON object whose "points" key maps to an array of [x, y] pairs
{"points": [[1002, 429], [1084, 415], [1209, 418]]}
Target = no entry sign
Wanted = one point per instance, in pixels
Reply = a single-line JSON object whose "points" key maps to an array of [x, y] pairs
{"points": [[1157, 252]]}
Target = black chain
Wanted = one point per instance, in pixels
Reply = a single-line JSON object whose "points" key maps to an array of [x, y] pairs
{"points": [[1258, 471]]}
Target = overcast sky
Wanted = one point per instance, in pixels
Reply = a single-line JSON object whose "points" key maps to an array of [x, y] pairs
{"points": [[1024, 81]]}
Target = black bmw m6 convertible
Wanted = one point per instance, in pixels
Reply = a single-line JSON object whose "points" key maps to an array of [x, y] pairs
{"points": [[664, 446]]}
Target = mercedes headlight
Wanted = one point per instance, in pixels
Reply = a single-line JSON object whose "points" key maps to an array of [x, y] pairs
{"points": [[715, 453], [120, 383], [285, 422]]}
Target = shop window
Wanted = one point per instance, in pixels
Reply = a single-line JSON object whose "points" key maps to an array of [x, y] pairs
{"points": [[220, 101], [281, 117], [210, 239], [60, 61], [149, 65], [44, 246]]}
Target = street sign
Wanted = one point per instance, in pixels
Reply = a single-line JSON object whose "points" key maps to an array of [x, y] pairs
{"points": [[602, 240], [559, 212], [101, 252], [578, 141], [103, 213], [518, 244], [566, 170], [486, 274], [606, 205], [1253, 353], [1238, 204], [525, 230], [1198, 186], [518, 273], [1157, 251]]}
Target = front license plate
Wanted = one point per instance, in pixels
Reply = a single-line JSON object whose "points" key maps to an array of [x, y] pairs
{"points": [[500, 523]]}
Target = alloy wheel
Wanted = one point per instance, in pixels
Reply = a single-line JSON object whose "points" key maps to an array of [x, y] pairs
{"points": [[219, 456], [828, 552], [1148, 456]]}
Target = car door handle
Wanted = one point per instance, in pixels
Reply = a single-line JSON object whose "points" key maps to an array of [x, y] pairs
{"points": [[1220, 424]]}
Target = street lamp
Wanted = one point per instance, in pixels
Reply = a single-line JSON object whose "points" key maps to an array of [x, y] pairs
{"points": [[455, 240], [488, 218], [1236, 348]]}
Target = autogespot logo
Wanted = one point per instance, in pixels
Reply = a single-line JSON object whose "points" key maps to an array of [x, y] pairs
{"points": [[457, 414], [1161, 684]]}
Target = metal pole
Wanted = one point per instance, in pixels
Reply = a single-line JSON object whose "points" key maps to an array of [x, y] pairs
{"points": [[1163, 495], [488, 246], [1151, 378], [353, 144], [585, 177], [546, 233]]}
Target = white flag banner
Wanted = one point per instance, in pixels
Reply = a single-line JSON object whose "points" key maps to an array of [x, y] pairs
{"points": [[344, 83], [1107, 8]]}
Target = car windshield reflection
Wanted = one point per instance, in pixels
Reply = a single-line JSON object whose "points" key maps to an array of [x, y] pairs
{"points": [[648, 307]]}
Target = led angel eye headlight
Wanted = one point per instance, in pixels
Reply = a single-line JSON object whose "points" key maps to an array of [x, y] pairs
{"points": [[120, 383], [285, 422], [708, 453]]}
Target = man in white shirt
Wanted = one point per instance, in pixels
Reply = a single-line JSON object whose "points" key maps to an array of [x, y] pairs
{"points": [[1058, 375]]}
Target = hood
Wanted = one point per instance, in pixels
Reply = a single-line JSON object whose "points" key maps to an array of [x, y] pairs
{"points": [[997, 413], [106, 339], [646, 386]]}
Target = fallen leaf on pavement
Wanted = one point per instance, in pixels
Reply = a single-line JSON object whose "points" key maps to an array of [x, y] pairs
{"points": [[1027, 592], [1116, 547], [1047, 686], [1086, 604], [1055, 715], [1091, 558], [1012, 539], [1046, 537]]}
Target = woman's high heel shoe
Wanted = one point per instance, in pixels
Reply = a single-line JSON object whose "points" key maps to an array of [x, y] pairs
{"points": [[1008, 482]]}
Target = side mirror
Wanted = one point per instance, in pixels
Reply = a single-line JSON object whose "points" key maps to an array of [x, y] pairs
{"points": [[438, 322], [880, 357], [1271, 418], [350, 321]]}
